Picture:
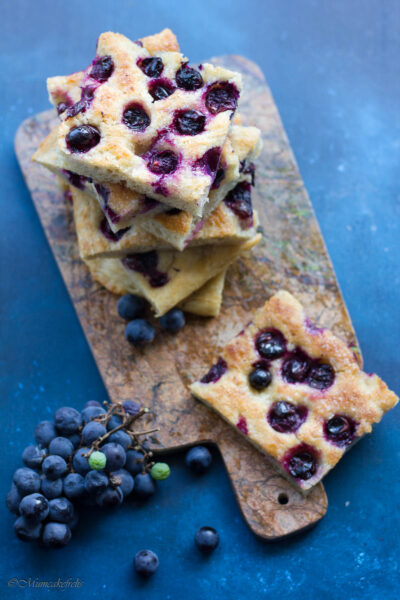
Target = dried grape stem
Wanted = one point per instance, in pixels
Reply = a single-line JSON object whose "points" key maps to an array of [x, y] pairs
{"points": [[135, 433], [126, 423]]}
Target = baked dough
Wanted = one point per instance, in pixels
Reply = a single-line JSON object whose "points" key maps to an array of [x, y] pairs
{"points": [[347, 401], [242, 146], [66, 89], [124, 154], [124, 208], [184, 272], [206, 302], [95, 240], [121, 206]]}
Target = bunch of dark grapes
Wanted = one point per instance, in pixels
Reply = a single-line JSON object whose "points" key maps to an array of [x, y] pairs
{"points": [[88, 458]]}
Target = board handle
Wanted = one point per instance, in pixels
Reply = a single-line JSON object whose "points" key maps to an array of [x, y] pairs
{"points": [[270, 505]]}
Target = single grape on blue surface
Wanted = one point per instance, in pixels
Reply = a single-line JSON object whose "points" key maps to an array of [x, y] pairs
{"points": [[61, 446], [206, 539], [198, 459], [33, 456], [146, 563]]}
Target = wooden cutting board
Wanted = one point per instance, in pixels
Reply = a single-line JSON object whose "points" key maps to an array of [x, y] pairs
{"points": [[292, 255]]}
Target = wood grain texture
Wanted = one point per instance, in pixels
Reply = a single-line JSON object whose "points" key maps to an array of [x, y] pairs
{"points": [[291, 255]]}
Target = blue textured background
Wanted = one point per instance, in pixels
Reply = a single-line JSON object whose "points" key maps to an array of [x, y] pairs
{"points": [[333, 68]]}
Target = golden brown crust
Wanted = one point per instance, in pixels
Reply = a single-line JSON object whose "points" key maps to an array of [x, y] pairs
{"points": [[65, 88], [164, 41], [118, 155], [92, 243], [364, 398]]}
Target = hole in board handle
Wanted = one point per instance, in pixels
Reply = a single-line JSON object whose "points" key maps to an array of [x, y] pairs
{"points": [[283, 498]]}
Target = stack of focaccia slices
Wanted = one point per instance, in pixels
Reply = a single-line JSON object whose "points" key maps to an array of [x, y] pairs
{"points": [[159, 169]]}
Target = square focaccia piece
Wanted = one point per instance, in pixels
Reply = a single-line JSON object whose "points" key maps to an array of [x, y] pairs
{"points": [[120, 204], [123, 207], [97, 240], [294, 390], [166, 277], [153, 122]]}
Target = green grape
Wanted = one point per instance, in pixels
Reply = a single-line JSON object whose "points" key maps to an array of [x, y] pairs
{"points": [[97, 460], [160, 471]]}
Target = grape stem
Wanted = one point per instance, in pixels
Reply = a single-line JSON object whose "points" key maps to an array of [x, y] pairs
{"points": [[127, 422], [135, 433]]}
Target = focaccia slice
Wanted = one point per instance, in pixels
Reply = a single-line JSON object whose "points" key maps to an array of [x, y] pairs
{"points": [[150, 121], [96, 240], [166, 277], [294, 390], [123, 208]]}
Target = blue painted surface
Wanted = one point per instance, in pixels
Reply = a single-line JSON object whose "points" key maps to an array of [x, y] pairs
{"points": [[333, 68]]}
